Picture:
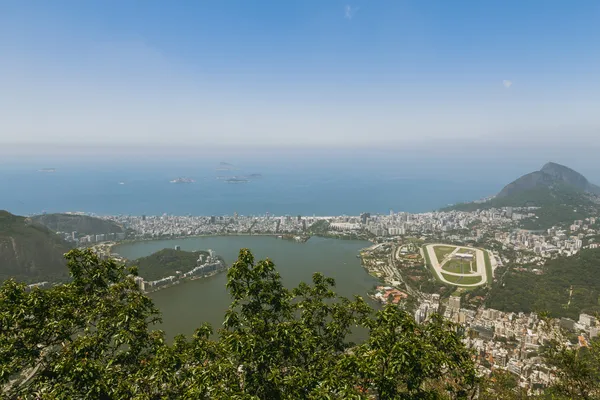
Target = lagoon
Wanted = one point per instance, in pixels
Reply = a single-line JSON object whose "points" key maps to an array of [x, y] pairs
{"points": [[186, 306]]}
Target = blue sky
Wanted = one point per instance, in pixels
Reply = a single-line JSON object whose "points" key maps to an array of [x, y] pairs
{"points": [[299, 73]]}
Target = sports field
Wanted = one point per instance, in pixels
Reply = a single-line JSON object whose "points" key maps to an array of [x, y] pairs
{"points": [[453, 265]]}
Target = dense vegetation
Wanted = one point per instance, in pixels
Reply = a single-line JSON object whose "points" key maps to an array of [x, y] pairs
{"points": [[93, 338], [166, 262], [567, 287], [30, 252], [319, 228], [82, 224]]}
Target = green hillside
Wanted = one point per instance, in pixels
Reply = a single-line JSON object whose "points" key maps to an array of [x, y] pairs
{"points": [[83, 224], [551, 291], [166, 262], [30, 252]]}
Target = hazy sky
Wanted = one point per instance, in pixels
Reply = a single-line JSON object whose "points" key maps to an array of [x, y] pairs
{"points": [[299, 73]]}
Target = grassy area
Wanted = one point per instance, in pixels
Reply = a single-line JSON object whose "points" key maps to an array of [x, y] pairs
{"points": [[488, 266], [459, 266], [462, 280], [442, 251], [465, 250]]}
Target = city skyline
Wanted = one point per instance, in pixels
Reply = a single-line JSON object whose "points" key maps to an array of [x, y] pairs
{"points": [[298, 73]]}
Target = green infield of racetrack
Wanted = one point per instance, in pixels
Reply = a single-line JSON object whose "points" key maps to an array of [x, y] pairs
{"points": [[460, 267], [462, 280], [442, 251], [488, 266]]}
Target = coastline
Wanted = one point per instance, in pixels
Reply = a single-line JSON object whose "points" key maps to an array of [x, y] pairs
{"points": [[276, 235], [184, 280]]}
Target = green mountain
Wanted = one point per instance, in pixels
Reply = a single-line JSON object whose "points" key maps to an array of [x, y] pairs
{"points": [[83, 224], [562, 195], [30, 252], [166, 262], [567, 287], [550, 176]]}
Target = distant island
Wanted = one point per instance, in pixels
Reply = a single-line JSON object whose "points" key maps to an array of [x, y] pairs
{"points": [[182, 180], [223, 166], [47, 170], [236, 180]]}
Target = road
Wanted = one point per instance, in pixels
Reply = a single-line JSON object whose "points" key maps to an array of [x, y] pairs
{"points": [[437, 266]]}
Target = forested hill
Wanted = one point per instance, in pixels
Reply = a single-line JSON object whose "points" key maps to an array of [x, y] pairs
{"points": [[30, 252], [83, 224], [561, 194], [166, 262], [550, 175], [567, 287]]}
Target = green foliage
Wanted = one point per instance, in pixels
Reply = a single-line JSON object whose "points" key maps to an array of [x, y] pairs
{"points": [[166, 262], [320, 227], [502, 385], [551, 291], [30, 252], [78, 340], [92, 338], [578, 370]]}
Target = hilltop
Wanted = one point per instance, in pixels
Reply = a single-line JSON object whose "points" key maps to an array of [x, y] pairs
{"points": [[83, 224], [30, 252], [166, 262], [551, 175], [559, 193]]}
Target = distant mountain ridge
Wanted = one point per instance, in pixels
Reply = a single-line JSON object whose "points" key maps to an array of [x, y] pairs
{"points": [[30, 252], [560, 194], [83, 224], [550, 175]]}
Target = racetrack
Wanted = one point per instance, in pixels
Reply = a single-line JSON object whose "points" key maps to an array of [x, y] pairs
{"points": [[438, 265]]}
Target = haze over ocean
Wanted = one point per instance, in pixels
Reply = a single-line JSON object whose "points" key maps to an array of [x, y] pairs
{"points": [[324, 182]]}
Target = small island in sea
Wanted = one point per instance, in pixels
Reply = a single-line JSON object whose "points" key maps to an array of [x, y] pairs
{"points": [[236, 180], [47, 170], [182, 180], [223, 166]]}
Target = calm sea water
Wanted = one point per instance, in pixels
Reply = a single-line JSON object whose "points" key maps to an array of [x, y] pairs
{"points": [[186, 306], [303, 189]]}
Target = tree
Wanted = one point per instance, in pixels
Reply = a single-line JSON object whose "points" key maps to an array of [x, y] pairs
{"points": [[577, 369], [502, 385], [93, 338], [80, 339]]}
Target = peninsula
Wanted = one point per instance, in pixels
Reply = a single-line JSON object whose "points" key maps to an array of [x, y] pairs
{"points": [[170, 267]]}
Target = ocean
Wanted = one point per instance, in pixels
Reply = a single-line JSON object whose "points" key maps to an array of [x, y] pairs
{"points": [[295, 188]]}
